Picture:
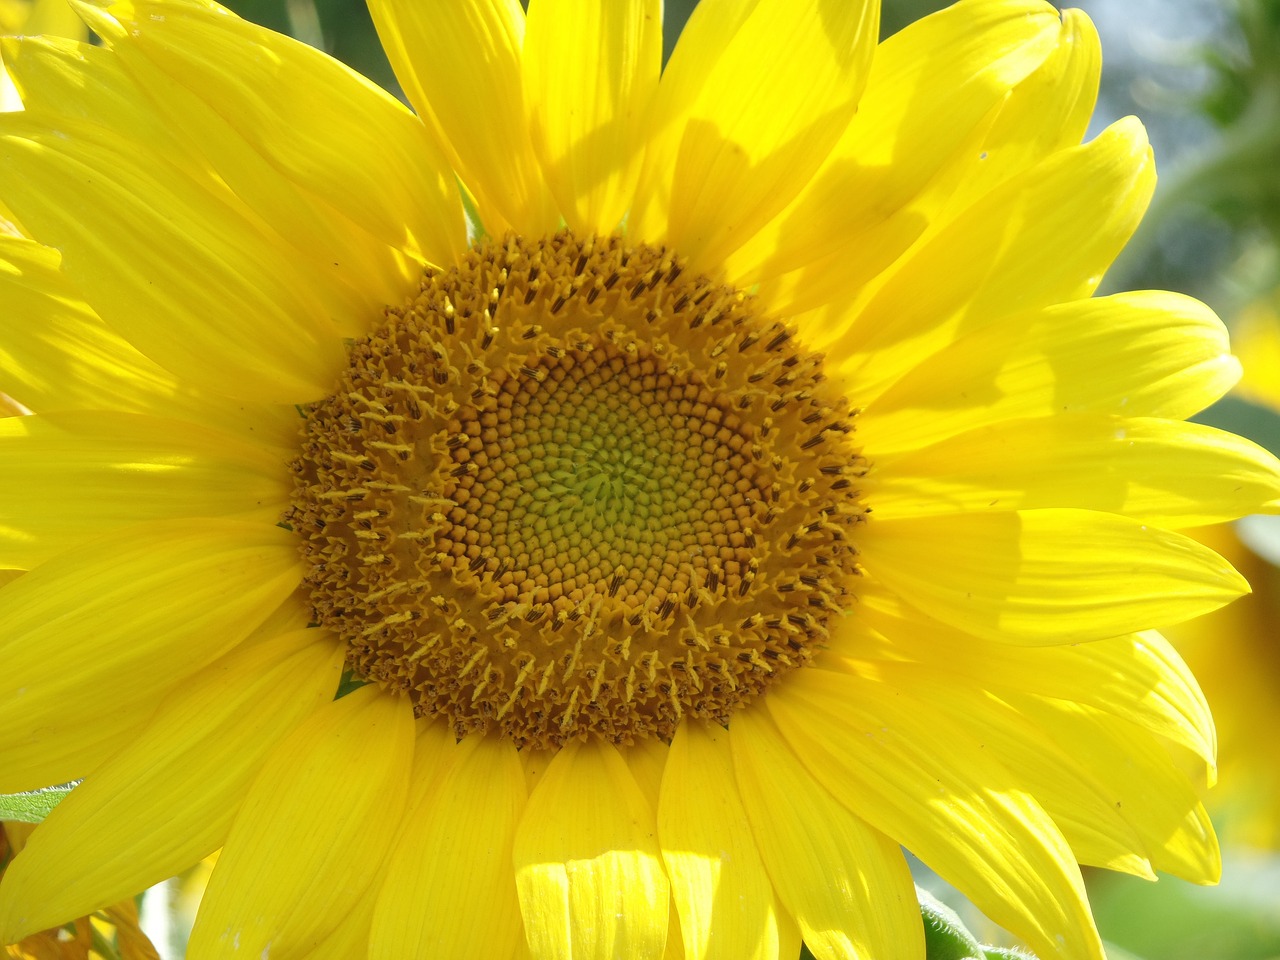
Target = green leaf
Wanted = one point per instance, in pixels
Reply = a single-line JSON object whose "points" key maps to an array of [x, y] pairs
{"points": [[34, 806]]}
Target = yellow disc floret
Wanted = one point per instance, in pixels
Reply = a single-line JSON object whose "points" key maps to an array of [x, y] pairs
{"points": [[567, 489]]}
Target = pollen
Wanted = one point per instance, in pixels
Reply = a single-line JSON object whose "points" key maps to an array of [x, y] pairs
{"points": [[569, 490]]}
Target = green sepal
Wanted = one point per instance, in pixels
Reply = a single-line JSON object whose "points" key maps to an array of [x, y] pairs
{"points": [[33, 806], [348, 684], [945, 936]]}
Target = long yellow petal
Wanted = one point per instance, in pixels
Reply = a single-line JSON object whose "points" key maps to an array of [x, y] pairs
{"points": [[847, 885], [1136, 676], [1022, 246], [1147, 354], [350, 147], [1045, 110], [675, 943], [312, 832], [186, 278], [72, 476], [726, 902], [588, 873], [353, 273], [1074, 793], [930, 86], [350, 938], [1047, 576], [752, 101], [168, 798], [432, 48], [1147, 788], [590, 75], [647, 759], [790, 941], [941, 796], [1163, 472], [93, 637], [1048, 111], [65, 357], [434, 751], [450, 888]]}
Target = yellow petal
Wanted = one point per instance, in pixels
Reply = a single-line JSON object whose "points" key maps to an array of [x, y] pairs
{"points": [[356, 274], [752, 101], [789, 940], [1146, 354], [647, 759], [1163, 472], [350, 938], [431, 48], [320, 125], [434, 751], [726, 902], [590, 74], [1047, 576], [847, 884], [929, 87], [1137, 676], [53, 17], [586, 856], [1145, 785], [936, 791], [450, 888], [65, 358], [72, 476], [186, 278], [1018, 126], [312, 832], [1022, 246], [1049, 110], [93, 637], [1074, 793], [167, 799], [675, 943]]}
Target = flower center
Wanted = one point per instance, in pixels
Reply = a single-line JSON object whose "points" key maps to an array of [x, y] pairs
{"points": [[567, 489]]}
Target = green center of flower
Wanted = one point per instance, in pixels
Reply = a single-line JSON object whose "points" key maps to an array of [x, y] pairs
{"points": [[567, 490], [601, 472]]}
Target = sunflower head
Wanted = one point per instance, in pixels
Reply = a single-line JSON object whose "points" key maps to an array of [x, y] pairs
{"points": [[570, 488], [756, 488]]}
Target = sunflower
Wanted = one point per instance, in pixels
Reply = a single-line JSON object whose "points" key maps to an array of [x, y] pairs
{"points": [[1257, 335], [753, 488], [1233, 653]]}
